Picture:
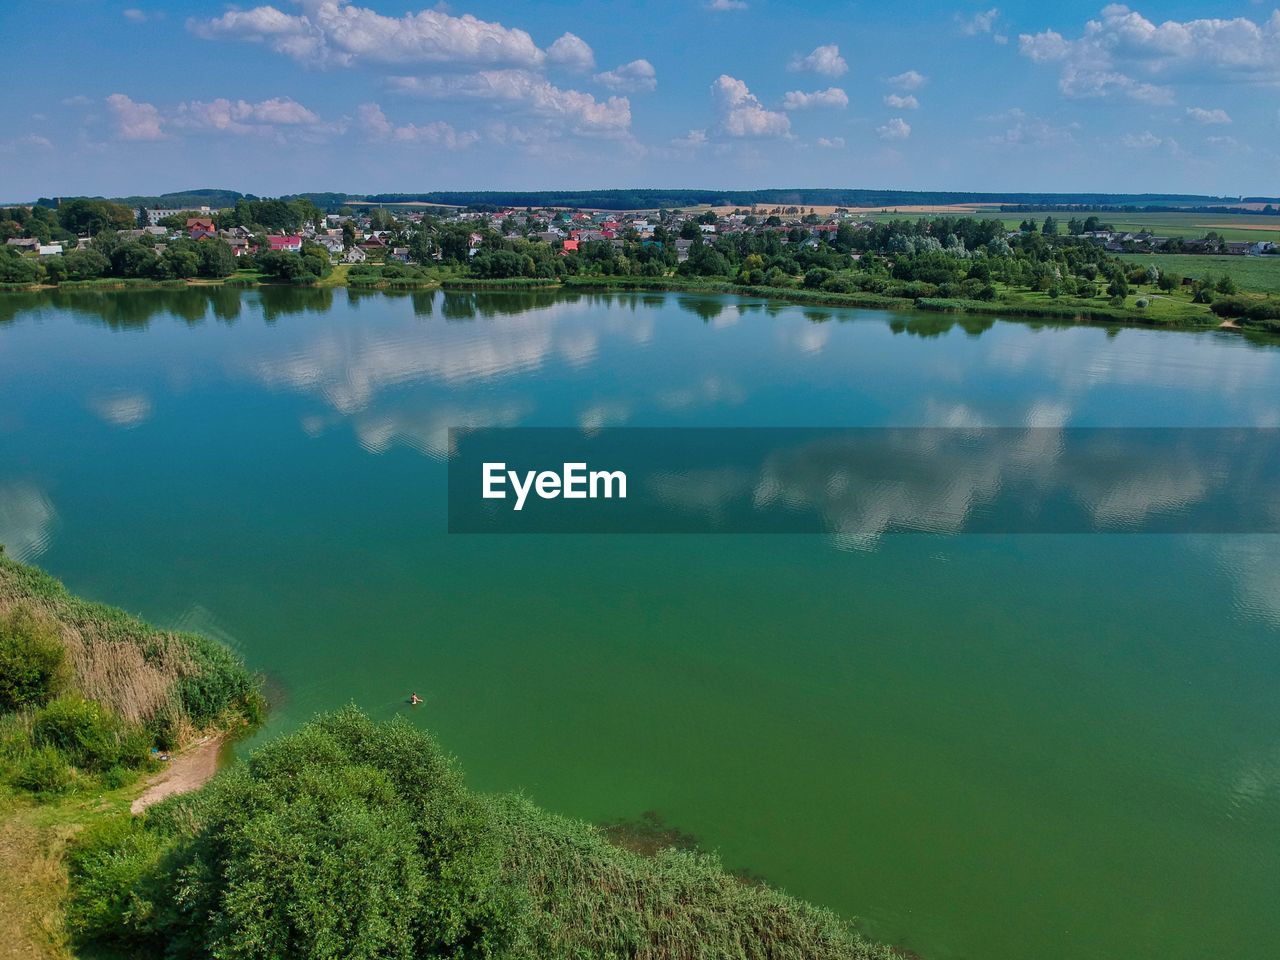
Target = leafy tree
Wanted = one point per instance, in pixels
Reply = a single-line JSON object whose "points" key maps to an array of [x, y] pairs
{"points": [[132, 259], [215, 259]]}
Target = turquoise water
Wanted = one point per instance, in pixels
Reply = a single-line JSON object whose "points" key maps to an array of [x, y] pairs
{"points": [[984, 746]]}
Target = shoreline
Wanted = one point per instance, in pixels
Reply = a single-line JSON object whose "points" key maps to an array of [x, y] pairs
{"points": [[1100, 315]]}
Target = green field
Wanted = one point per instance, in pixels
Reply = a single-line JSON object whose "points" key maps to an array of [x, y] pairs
{"points": [[1258, 274], [1176, 224]]}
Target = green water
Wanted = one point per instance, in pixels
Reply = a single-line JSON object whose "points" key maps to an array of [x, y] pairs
{"points": [[983, 747]]}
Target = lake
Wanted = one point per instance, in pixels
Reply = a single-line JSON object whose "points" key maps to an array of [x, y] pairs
{"points": [[987, 746]]}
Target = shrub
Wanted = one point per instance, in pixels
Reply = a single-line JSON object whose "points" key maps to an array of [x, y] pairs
{"points": [[88, 735], [33, 664], [44, 771], [1142, 303], [113, 865], [354, 840]]}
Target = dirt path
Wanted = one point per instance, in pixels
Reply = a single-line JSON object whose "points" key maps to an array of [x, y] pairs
{"points": [[187, 771]]}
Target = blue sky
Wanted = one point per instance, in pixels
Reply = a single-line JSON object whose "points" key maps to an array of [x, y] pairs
{"points": [[144, 96]]}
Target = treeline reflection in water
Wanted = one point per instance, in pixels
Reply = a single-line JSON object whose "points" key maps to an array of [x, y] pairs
{"points": [[131, 308]]}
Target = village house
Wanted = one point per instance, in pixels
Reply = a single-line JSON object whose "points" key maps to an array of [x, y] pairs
{"points": [[287, 244]]}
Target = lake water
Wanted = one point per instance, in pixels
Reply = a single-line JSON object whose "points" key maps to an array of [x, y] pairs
{"points": [[993, 747]]}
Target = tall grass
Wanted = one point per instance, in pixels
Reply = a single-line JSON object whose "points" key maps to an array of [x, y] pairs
{"points": [[172, 682]]}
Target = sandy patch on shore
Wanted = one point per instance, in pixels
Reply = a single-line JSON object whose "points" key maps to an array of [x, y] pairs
{"points": [[189, 770]]}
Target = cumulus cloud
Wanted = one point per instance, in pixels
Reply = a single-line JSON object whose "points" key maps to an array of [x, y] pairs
{"points": [[831, 143], [742, 115], [895, 129], [831, 97], [134, 15], [336, 32], [1104, 59], [825, 60], [898, 102], [983, 22], [240, 116], [438, 133], [134, 120], [572, 51], [523, 90], [636, 75], [910, 80], [1201, 115]]}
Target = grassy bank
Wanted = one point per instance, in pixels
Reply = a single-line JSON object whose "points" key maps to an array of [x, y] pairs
{"points": [[89, 698], [357, 840], [1161, 311]]}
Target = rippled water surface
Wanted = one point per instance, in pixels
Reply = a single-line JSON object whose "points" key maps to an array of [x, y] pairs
{"points": [[983, 746]]}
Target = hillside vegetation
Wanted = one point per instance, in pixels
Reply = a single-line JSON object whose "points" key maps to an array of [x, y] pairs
{"points": [[89, 698], [350, 839]]}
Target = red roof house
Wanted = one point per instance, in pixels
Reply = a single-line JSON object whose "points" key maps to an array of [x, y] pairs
{"points": [[290, 244]]}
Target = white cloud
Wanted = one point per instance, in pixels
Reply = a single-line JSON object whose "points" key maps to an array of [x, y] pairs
{"points": [[1201, 115], [1077, 83], [831, 97], [693, 140], [831, 143], [1104, 59], [25, 143], [895, 129], [572, 51], [909, 102], [437, 133], [825, 60], [910, 80], [1022, 129], [79, 100], [636, 75], [978, 23], [742, 115], [240, 116], [580, 112], [335, 32], [726, 4], [1148, 141], [134, 15], [134, 120]]}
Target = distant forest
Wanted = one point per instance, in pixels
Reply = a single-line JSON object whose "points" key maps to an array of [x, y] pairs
{"points": [[652, 199], [646, 199]]}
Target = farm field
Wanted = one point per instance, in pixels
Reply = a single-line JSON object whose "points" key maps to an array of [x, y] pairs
{"points": [[1178, 224], [1259, 274]]}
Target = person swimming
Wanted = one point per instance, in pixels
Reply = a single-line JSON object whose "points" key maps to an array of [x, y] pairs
{"points": [[415, 699]]}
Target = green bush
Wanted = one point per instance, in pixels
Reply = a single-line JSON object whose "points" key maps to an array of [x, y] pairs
{"points": [[88, 735], [33, 664], [44, 771], [114, 865], [349, 839]]}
